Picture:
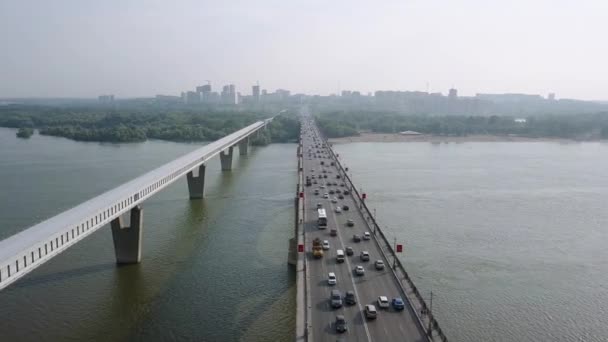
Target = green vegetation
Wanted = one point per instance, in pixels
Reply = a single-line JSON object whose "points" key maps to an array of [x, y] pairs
{"points": [[582, 126], [94, 123], [25, 132]]}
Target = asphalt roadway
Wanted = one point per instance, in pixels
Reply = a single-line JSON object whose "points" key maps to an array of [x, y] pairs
{"points": [[390, 325]]}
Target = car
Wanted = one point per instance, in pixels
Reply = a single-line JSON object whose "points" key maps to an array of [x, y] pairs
{"points": [[341, 324], [356, 238], [335, 298], [322, 186], [350, 223], [366, 236], [349, 251], [324, 176], [359, 270], [316, 192], [346, 192], [342, 184], [398, 303], [337, 176], [340, 197], [331, 192], [314, 181], [338, 191], [319, 205], [370, 312], [338, 210], [326, 195], [334, 200], [364, 256], [331, 278], [345, 208], [349, 298], [324, 171], [379, 264], [325, 244], [383, 302]]}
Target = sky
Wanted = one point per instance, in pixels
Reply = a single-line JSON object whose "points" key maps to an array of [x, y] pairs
{"points": [[133, 48]]}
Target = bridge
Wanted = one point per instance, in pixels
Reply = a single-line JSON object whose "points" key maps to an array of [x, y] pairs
{"points": [[347, 214], [27, 250]]}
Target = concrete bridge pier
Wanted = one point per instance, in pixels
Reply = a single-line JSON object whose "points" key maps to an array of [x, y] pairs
{"points": [[196, 183], [127, 239], [244, 146], [226, 159]]}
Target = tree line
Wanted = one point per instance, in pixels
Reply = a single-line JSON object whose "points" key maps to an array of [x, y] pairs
{"points": [[349, 123], [94, 123]]}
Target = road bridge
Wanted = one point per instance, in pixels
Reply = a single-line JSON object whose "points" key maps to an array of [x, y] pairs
{"points": [[32, 247], [347, 215]]}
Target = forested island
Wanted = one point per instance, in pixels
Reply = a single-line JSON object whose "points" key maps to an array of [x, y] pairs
{"points": [[25, 132], [91, 123], [580, 127]]}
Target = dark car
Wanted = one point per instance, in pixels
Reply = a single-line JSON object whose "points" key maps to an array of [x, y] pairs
{"points": [[349, 251], [345, 207], [346, 192], [356, 238], [340, 197], [341, 324], [398, 303], [350, 223], [350, 298], [331, 192], [324, 176]]}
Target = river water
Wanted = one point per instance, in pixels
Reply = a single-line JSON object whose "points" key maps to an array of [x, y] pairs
{"points": [[212, 270], [510, 237]]}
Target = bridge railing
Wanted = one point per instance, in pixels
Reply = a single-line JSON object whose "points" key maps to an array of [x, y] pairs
{"points": [[425, 317]]}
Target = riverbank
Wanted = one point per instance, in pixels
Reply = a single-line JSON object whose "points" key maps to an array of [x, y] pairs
{"points": [[395, 137]]}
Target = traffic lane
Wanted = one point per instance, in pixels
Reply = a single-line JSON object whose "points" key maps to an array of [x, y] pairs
{"points": [[376, 283], [324, 316], [323, 324]]}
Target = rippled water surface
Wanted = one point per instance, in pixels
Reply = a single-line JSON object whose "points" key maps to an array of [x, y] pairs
{"points": [[511, 237], [212, 270]]}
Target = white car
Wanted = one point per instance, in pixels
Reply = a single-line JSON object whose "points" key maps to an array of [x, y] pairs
{"points": [[366, 236], [325, 244], [333, 200], [383, 302], [359, 270], [331, 279], [338, 210]]}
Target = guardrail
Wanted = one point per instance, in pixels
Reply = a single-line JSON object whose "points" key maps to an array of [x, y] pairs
{"points": [[424, 315]]}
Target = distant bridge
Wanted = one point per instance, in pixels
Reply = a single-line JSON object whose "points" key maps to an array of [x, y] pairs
{"points": [[24, 251]]}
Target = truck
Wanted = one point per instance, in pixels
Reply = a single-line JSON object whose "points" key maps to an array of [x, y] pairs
{"points": [[317, 248]]}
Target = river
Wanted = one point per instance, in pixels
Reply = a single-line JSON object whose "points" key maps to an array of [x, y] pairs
{"points": [[510, 237], [212, 269]]}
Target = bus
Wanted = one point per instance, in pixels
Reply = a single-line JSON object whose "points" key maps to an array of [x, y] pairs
{"points": [[322, 221]]}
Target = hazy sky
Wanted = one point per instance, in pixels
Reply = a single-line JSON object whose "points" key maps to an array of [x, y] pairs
{"points": [[81, 48]]}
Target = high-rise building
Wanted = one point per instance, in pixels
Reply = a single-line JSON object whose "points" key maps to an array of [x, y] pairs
{"points": [[229, 95], [256, 93], [453, 94]]}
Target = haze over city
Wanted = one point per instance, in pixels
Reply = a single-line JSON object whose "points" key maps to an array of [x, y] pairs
{"points": [[141, 48]]}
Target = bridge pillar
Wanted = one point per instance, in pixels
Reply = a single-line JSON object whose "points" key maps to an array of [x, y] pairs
{"points": [[244, 146], [127, 240], [196, 184], [226, 159]]}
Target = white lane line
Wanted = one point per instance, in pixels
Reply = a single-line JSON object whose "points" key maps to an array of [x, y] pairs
{"points": [[350, 271]]}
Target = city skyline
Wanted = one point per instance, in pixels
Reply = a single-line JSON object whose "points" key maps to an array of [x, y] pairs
{"points": [[74, 49]]}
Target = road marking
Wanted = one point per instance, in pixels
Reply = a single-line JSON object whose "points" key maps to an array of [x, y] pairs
{"points": [[350, 272]]}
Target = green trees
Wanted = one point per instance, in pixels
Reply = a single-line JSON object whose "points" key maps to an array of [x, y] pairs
{"points": [[582, 126], [24, 132], [132, 124]]}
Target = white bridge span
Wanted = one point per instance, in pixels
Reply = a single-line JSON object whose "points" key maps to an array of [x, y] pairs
{"points": [[24, 251]]}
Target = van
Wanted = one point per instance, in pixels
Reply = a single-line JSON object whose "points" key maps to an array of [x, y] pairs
{"points": [[340, 256]]}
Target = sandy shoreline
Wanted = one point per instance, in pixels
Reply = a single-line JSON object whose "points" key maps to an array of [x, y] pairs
{"points": [[394, 137]]}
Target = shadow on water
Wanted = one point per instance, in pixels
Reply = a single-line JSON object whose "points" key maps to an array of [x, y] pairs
{"points": [[60, 276]]}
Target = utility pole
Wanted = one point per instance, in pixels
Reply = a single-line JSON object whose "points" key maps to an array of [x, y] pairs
{"points": [[431, 313]]}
